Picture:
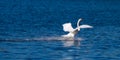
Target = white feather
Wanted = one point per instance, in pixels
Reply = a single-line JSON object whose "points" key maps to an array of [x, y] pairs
{"points": [[68, 27], [85, 26]]}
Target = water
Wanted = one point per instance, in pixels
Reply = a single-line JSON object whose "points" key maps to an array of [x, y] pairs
{"points": [[32, 29]]}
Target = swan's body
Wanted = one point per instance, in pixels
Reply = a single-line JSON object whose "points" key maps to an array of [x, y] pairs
{"points": [[67, 27]]}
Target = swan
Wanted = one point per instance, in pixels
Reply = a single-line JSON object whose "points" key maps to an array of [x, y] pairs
{"points": [[67, 27]]}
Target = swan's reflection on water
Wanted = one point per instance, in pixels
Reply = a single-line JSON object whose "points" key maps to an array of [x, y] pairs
{"points": [[71, 42], [73, 45]]}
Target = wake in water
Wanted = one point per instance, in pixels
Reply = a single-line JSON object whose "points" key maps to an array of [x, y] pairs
{"points": [[47, 38], [55, 38], [66, 42]]}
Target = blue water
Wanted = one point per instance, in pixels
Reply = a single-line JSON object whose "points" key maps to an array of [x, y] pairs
{"points": [[32, 29]]}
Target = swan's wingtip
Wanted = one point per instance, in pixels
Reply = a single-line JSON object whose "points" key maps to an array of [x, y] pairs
{"points": [[92, 27]]}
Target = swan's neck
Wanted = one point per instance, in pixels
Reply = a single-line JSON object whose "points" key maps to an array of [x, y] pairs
{"points": [[78, 26]]}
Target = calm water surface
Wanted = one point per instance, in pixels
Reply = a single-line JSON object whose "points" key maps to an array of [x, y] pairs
{"points": [[32, 29]]}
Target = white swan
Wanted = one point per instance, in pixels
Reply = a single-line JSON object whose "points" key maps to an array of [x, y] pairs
{"points": [[67, 27]]}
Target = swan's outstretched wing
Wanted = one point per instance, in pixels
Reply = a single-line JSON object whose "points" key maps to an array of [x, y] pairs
{"points": [[68, 27], [85, 26]]}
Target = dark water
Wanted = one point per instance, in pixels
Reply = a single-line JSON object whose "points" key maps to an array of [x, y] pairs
{"points": [[31, 30]]}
